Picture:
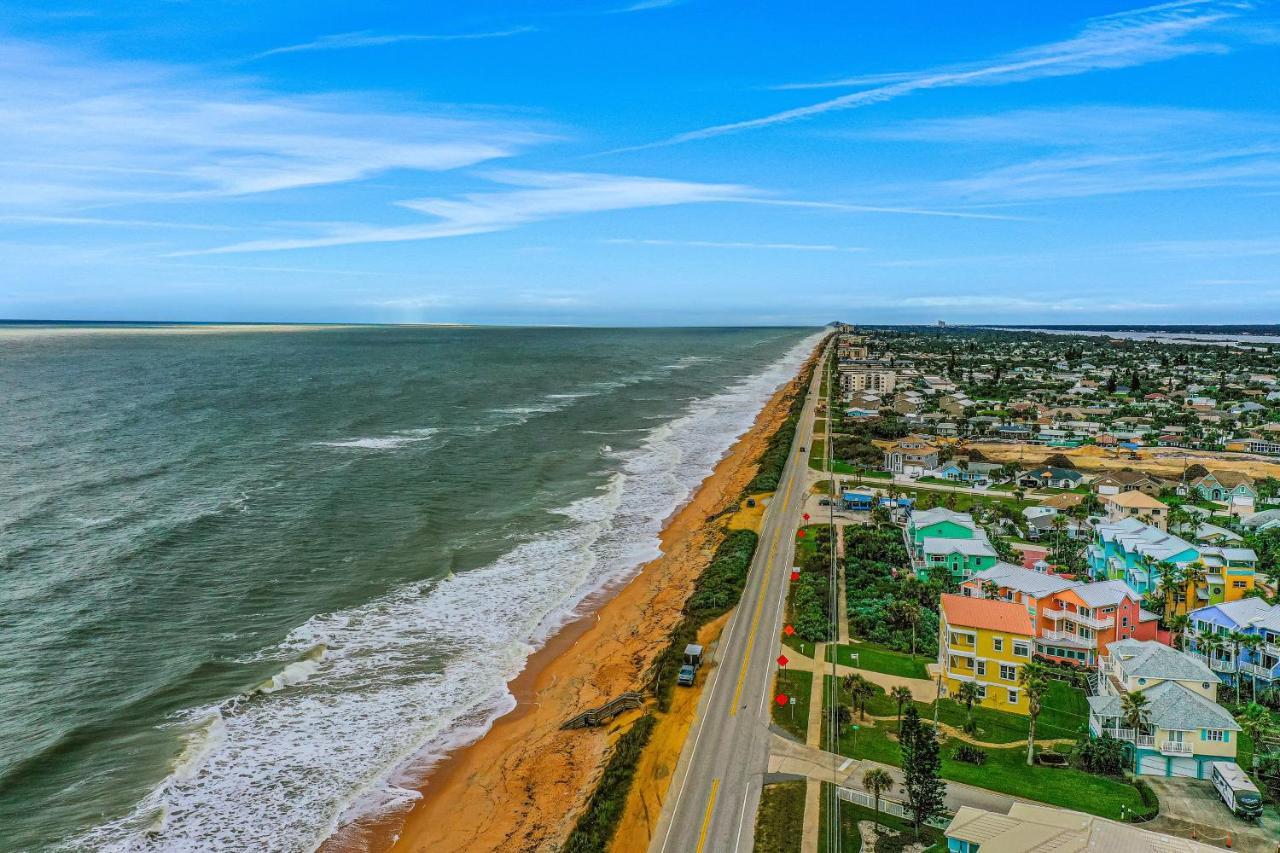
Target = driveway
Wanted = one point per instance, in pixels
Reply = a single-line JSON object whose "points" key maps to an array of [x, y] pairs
{"points": [[1192, 808]]}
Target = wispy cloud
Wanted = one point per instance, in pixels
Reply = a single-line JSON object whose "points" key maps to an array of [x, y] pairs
{"points": [[712, 244], [143, 132], [368, 38], [1213, 248], [870, 208], [647, 5], [1128, 39], [540, 196]]}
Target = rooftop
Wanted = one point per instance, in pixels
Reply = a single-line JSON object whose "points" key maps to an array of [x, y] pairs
{"points": [[1149, 659], [1003, 616], [1031, 828]]}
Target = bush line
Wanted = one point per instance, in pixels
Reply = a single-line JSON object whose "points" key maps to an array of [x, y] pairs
{"points": [[598, 824]]}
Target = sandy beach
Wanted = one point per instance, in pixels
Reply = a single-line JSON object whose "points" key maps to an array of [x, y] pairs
{"points": [[522, 785]]}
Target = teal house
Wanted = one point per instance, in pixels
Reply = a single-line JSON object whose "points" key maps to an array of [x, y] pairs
{"points": [[944, 540]]}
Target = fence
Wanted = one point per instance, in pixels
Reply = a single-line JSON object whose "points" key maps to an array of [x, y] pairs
{"points": [[889, 807]]}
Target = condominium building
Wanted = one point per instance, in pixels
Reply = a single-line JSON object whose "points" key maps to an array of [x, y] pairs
{"points": [[987, 643]]}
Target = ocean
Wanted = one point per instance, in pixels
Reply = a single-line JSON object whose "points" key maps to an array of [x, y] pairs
{"points": [[252, 582]]}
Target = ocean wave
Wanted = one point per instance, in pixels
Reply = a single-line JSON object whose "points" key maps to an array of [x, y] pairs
{"points": [[416, 673], [384, 442]]}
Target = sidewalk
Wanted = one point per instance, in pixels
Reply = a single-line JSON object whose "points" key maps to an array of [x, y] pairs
{"points": [[922, 689]]}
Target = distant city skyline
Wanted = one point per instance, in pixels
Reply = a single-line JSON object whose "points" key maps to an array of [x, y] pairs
{"points": [[666, 162]]}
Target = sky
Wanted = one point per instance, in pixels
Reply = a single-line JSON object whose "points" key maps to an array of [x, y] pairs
{"points": [[664, 162]]}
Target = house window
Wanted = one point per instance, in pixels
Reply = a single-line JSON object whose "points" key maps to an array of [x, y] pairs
{"points": [[1238, 584], [997, 643], [1013, 697], [982, 691], [1215, 735], [1021, 650], [1124, 621], [1008, 672], [981, 667]]}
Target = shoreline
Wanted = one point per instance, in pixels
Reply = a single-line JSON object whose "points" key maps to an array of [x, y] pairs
{"points": [[524, 781]]}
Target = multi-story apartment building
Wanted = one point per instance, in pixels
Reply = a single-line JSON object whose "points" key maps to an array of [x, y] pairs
{"points": [[988, 643], [1257, 661], [1184, 728], [856, 378], [1074, 622], [1132, 551]]}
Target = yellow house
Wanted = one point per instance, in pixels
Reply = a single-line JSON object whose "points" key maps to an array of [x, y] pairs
{"points": [[988, 643]]}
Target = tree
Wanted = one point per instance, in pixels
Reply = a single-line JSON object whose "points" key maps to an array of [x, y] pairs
{"points": [[1111, 383], [1035, 681], [877, 782], [1193, 575], [990, 590], [967, 694], [921, 764], [1136, 715], [1256, 721], [901, 695], [1103, 754], [1250, 642], [1236, 639], [1168, 573]]}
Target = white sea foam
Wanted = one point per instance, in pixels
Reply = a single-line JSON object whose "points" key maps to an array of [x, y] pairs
{"points": [[291, 765], [384, 442]]}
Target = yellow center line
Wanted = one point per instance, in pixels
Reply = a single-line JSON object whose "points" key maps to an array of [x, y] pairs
{"points": [[755, 621], [706, 821]]}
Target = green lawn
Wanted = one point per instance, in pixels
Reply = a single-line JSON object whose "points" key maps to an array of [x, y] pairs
{"points": [[846, 468], [780, 820], [815, 454], [879, 659], [1064, 714], [793, 719], [851, 838], [966, 501], [1005, 771]]}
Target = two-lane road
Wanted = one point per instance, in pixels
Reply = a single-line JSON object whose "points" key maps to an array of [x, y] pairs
{"points": [[712, 802]]}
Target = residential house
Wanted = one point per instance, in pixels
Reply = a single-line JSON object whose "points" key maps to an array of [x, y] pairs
{"points": [[941, 538], [1231, 487], [1250, 616], [1137, 505], [1128, 549], [1029, 828], [1186, 728], [1050, 478], [1075, 622], [913, 454], [971, 472], [988, 643], [1115, 482]]}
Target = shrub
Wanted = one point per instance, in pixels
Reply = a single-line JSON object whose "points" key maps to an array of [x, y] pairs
{"points": [[596, 827], [969, 754], [1052, 759], [1268, 772], [1103, 755], [1150, 803]]}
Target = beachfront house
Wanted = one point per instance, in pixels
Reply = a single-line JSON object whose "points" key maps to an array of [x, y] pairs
{"points": [[988, 643], [1074, 622], [1257, 664], [1127, 550], [1185, 729]]}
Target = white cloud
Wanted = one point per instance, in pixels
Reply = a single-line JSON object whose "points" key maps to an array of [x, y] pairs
{"points": [[711, 244], [82, 131], [1124, 40], [647, 5], [540, 196], [366, 38]]}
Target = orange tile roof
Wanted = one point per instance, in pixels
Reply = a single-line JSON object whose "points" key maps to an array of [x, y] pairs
{"points": [[963, 611]]}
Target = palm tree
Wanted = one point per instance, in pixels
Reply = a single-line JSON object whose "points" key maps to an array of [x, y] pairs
{"points": [[1034, 679], [1178, 627], [1193, 575], [1250, 643], [1210, 645], [1136, 715], [877, 782], [863, 692], [900, 695], [967, 694], [1168, 573], [1256, 722], [990, 590], [1236, 639]]}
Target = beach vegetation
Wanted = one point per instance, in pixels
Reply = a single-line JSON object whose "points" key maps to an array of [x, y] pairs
{"points": [[716, 591], [780, 818], [597, 825]]}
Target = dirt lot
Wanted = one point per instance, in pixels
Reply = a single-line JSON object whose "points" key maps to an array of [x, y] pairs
{"points": [[1161, 461]]}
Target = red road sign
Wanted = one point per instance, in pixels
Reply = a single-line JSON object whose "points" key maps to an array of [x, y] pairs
{"points": [[788, 630], [781, 699], [795, 576], [782, 660], [806, 516], [800, 533]]}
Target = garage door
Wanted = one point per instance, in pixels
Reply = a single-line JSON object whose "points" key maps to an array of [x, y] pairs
{"points": [[1150, 765], [1186, 767]]}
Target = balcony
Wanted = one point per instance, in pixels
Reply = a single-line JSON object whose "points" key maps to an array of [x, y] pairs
{"points": [[1122, 734], [1217, 665], [1087, 621], [1149, 741], [1271, 649], [1065, 637], [1174, 747], [1257, 671]]}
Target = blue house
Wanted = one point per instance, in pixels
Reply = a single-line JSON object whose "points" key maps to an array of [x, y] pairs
{"points": [[1124, 549], [1248, 616], [858, 501]]}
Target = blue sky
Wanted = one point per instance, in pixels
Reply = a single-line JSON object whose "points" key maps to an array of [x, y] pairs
{"points": [[653, 162]]}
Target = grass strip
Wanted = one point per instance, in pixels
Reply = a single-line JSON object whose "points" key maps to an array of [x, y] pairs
{"points": [[598, 824]]}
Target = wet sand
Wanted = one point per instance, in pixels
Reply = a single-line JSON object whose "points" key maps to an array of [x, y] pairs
{"points": [[522, 786]]}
